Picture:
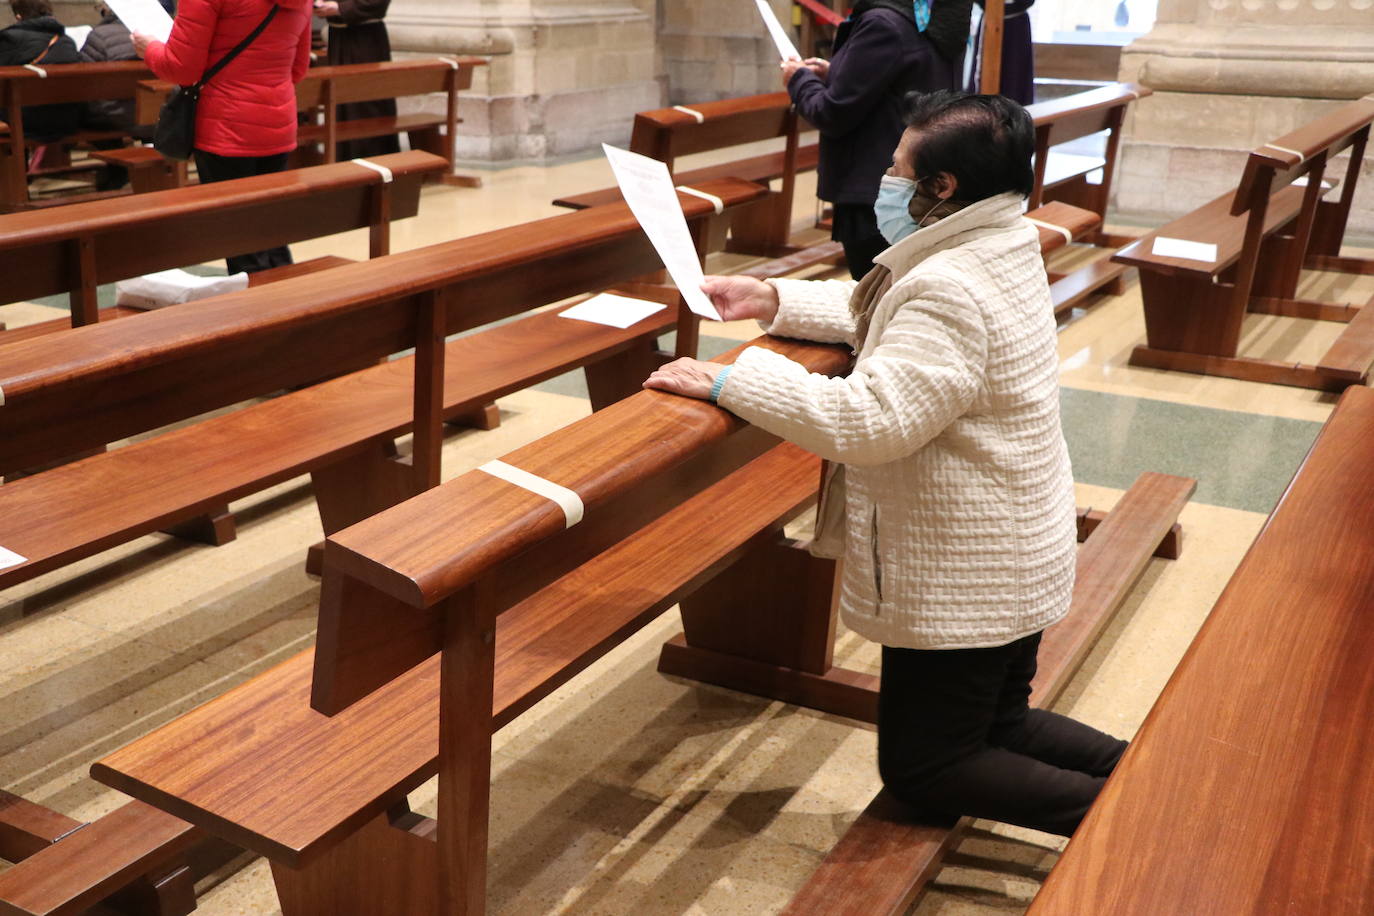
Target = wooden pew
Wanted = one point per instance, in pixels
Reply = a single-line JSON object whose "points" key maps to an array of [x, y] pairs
{"points": [[1264, 235], [324, 89], [1250, 786], [414, 581], [183, 363], [60, 84], [472, 558], [77, 248], [1063, 177], [78, 390], [666, 134]]}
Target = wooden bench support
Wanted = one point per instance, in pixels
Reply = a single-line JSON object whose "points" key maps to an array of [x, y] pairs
{"points": [[215, 528], [884, 860], [26, 828]]}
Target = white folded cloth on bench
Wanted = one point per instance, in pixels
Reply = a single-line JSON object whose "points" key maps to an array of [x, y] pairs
{"points": [[174, 287]]}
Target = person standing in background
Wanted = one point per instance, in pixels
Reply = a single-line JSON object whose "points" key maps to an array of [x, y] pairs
{"points": [[1018, 53], [881, 53], [357, 35], [246, 118]]}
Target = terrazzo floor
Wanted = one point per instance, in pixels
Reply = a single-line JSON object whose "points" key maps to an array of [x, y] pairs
{"points": [[627, 791]]}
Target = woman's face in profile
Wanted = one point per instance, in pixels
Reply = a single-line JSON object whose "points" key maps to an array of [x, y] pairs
{"points": [[905, 155]]}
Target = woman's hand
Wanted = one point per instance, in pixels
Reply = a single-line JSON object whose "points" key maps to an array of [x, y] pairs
{"points": [[818, 66], [141, 42], [742, 297], [688, 377], [790, 67], [326, 8]]}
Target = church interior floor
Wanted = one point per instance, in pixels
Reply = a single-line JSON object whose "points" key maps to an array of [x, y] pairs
{"points": [[629, 791]]}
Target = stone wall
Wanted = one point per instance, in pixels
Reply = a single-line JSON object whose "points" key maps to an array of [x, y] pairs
{"points": [[716, 49], [1231, 75]]}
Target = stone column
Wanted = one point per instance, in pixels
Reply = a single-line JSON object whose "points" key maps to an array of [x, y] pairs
{"points": [[718, 49], [564, 76], [1231, 75]]}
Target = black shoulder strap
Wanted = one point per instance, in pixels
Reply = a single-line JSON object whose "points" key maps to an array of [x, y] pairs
{"points": [[234, 52]]}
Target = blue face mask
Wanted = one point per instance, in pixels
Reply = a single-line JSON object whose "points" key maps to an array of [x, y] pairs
{"points": [[891, 208]]}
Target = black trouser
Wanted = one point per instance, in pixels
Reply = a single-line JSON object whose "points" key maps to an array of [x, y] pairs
{"points": [[856, 228], [213, 167], [957, 737]]}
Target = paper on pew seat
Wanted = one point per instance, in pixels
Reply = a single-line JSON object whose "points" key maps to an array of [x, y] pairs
{"points": [[1166, 247], [174, 287], [1301, 182], [9, 558], [615, 311]]}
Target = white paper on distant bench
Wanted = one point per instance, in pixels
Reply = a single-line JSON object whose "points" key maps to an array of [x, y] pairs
{"points": [[146, 16], [174, 287], [612, 310], [9, 558], [786, 50], [79, 34], [1182, 248], [648, 189]]}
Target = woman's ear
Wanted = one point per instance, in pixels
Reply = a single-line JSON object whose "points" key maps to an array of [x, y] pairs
{"points": [[945, 185]]}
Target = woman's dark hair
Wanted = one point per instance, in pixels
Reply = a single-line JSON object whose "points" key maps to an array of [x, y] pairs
{"points": [[984, 141], [30, 9]]}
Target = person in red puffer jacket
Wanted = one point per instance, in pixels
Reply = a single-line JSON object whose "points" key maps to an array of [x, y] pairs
{"points": [[246, 118]]}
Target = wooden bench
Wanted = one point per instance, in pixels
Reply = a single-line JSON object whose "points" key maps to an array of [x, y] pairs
{"points": [[1063, 177], [324, 89], [180, 364], [77, 248], [1250, 786], [55, 85], [414, 581], [67, 393], [884, 861], [473, 558], [666, 134], [1263, 234]]}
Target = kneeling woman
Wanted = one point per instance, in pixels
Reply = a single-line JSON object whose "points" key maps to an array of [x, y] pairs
{"points": [[952, 500]]}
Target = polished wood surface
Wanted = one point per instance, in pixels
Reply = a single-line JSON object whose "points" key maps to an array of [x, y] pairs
{"points": [[177, 363], [26, 828], [189, 225], [93, 861], [885, 859], [1250, 787], [541, 642]]}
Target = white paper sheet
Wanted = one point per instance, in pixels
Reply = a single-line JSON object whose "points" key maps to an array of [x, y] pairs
{"points": [[1166, 247], [786, 50], [174, 287], [9, 558], [79, 34], [1299, 182], [146, 16], [648, 189], [615, 311]]}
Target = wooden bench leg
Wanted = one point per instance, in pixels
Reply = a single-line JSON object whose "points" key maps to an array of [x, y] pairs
{"points": [[361, 485], [621, 375], [170, 894], [766, 626], [755, 229], [488, 416], [26, 828], [215, 528], [388, 867]]}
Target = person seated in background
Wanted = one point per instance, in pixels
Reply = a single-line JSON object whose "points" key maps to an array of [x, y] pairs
{"points": [[38, 39], [949, 496], [110, 40]]}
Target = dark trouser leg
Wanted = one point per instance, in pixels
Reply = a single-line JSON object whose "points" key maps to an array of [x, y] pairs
{"points": [[856, 228], [212, 167], [942, 718]]}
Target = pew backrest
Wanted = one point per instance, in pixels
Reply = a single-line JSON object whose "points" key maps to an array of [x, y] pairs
{"points": [[65, 393], [82, 245], [667, 133], [1073, 117]]}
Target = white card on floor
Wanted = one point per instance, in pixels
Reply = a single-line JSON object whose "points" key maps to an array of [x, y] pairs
{"points": [[146, 16], [1166, 247], [9, 558], [786, 50], [648, 189], [615, 311]]}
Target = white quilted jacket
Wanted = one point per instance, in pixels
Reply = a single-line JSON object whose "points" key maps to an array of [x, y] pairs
{"points": [[959, 514]]}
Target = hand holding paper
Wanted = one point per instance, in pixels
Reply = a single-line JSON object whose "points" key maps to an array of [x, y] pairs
{"points": [[648, 189]]}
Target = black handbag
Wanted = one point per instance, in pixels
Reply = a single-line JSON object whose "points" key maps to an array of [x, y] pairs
{"points": [[175, 134]]}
